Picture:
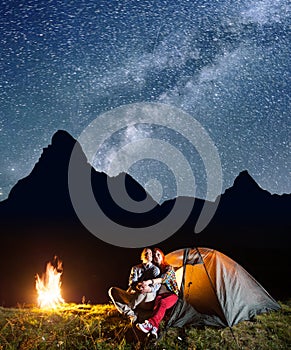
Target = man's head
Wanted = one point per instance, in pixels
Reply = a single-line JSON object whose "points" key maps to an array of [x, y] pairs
{"points": [[146, 255]]}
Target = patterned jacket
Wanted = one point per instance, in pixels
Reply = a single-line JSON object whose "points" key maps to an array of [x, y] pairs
{"points": [[169, 279]]}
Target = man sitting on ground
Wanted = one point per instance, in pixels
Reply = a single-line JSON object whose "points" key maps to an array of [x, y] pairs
{"points": [[137, 295]]}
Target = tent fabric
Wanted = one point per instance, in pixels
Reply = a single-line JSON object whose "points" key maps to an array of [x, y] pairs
{"points": [[215, 290], [184, 313]]}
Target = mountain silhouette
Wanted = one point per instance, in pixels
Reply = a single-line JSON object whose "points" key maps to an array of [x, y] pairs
{"points": [[38, 221]]}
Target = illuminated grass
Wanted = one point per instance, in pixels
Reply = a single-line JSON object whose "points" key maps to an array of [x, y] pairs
{"points": [[82, 326]]}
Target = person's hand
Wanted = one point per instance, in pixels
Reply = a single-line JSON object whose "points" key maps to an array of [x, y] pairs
{"points": [[146, 283], [143, 287], [139, 286]]}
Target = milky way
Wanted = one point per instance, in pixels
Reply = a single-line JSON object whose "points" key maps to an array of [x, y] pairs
{"points": [[226, 63]]}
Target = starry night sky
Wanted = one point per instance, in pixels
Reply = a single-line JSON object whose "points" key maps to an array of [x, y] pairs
{"points": [[224, 62]]}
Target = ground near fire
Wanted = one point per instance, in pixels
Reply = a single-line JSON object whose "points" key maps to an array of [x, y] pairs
{"points": [[84, 326]]}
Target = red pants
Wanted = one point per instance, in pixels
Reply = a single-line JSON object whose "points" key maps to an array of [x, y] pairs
{"points": [[162, 303]]}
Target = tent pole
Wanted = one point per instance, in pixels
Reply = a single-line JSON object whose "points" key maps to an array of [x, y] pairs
{"points": [[181, 292], [185, 257], [214, 289], [212, 285]]}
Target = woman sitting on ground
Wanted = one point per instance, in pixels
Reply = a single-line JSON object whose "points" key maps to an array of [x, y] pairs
{"points": [[167, 295]]}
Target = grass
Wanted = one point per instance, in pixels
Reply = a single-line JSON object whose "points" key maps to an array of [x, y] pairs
{"points": [[83, 326]]}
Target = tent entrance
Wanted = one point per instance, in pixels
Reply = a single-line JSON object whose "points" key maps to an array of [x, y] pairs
{"points": [[198, 291]]}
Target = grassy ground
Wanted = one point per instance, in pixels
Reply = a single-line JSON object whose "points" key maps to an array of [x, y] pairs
{"points": [[88, 327]]}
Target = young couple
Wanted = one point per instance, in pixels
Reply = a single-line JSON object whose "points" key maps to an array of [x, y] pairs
{"points": [[150, 285]]}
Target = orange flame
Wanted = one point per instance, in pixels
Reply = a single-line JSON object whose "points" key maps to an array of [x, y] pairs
{"points": [[49, 286]]}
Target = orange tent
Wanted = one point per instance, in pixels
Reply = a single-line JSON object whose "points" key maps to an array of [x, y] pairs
{"points": [[215, 290]]}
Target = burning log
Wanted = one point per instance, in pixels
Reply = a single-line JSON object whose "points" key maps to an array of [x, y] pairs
{"points": [[48, 287]]}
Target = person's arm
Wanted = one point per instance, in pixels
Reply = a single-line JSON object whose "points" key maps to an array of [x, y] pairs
{"points": [[159, 280], [133, 278], [153, 283], [155, 286]]}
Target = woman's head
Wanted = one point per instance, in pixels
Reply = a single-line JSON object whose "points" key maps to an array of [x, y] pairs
{"points": [[159, 257]]}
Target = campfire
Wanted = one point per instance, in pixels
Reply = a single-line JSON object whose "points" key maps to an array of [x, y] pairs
{"points": [[48, 287]]}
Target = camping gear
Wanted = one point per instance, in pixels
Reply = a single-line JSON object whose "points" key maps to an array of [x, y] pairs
{"points": [[215, 290]]}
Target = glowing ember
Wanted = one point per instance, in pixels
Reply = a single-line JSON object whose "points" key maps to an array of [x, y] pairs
{"points": [[49, 286]]}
